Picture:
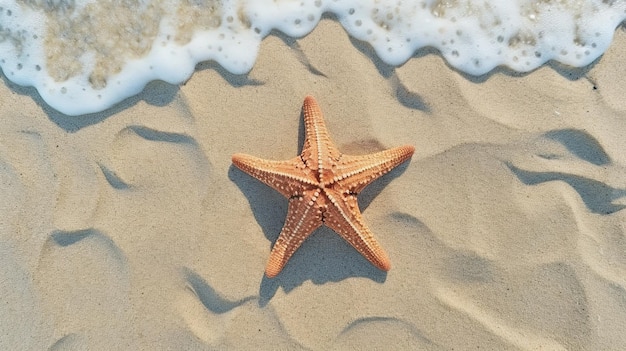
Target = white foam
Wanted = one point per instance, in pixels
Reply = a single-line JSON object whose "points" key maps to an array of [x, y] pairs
{"points": [[85, 56]]}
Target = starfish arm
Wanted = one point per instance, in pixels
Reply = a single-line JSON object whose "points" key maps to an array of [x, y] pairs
{"points": [[303, 217], [356, 172], [344, 217], [318, 150], [286, 177]]}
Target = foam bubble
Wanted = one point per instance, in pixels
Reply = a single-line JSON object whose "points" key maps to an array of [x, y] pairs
{"points": [[85, 56]]}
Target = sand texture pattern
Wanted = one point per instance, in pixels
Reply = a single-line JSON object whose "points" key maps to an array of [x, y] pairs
{"points": [[131, 229]]}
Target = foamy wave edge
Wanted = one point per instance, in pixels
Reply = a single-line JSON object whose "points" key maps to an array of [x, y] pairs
{"points": [[81, 63]]}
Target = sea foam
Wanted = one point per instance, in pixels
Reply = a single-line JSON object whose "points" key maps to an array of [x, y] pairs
{"points": [[85, 56]]}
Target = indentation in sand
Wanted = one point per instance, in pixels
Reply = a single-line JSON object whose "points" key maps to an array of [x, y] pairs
{"points": [[523, 339], [581, 144], [95, 314], [371, 332]]}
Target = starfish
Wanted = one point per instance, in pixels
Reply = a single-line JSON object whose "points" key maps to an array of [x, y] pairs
{"points": [[322, 185]]}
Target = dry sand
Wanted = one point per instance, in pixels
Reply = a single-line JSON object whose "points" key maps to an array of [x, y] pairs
{"points": [[130, 229]]}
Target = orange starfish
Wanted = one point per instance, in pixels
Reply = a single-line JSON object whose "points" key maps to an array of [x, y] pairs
{"points": [[321, 185]]}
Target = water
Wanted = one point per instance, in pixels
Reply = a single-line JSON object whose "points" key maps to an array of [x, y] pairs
{"points": [[85, 56]]}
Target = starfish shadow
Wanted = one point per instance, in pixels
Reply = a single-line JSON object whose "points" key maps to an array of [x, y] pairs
{"points": [[323, 257], [268, 206]]}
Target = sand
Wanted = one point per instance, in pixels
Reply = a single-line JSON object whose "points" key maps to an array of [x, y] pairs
{"points": [[131, 230]]}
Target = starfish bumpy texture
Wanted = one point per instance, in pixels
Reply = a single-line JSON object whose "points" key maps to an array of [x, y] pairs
{"points": [[321, 185]]}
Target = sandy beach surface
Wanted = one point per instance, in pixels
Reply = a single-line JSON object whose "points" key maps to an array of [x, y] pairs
{"points": [[131, 230]]}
